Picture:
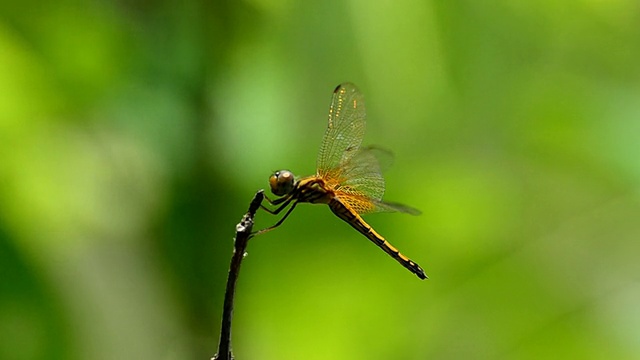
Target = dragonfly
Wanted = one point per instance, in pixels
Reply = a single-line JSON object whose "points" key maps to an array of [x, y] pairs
{"points": [[348, 177]]}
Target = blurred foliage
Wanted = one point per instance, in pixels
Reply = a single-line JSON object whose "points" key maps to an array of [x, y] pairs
{"points": [[134, 134]]}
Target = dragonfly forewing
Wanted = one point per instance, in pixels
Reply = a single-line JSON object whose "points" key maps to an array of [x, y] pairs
{"points": [[345, 128]]}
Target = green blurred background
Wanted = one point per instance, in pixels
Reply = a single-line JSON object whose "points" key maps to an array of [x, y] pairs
{"points": [[133, 135]]}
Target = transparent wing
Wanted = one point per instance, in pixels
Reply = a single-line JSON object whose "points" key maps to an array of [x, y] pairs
{"points": [[361, 184], [345, 130], [384, 156], [362, 173], [382, 206], [363, 205], [354, 173]]}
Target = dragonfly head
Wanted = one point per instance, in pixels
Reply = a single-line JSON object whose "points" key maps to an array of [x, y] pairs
{"points": [[281, 182]]}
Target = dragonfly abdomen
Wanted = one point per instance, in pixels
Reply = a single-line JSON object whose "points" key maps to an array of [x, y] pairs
{"points": [[352, 218]]}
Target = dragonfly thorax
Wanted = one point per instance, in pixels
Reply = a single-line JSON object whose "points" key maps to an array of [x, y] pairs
{"points": [[282, 182]]}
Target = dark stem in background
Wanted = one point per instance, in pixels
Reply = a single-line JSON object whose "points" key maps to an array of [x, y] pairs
{"points": [[243, 234]]}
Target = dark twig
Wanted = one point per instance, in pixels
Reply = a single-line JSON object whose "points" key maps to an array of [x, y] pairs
{"points": [[243, 234]]}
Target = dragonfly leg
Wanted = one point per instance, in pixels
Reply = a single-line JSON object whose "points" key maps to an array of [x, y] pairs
{"points": [[285, 201], [269, 200], [279, 221], [279, 200]]}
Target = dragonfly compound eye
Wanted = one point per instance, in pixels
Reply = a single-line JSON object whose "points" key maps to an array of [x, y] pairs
{"points": [[281, 182]]}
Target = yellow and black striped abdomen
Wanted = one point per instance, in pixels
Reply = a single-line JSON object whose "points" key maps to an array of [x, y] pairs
{"points": [[347, 214]]}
